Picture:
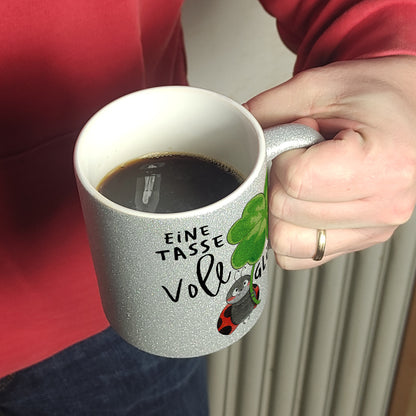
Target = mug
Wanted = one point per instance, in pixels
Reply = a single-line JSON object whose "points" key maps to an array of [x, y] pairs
{"points": [[189, 283]]}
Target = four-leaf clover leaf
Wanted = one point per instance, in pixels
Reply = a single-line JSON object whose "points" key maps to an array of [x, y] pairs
{"points": [[250, 233]]}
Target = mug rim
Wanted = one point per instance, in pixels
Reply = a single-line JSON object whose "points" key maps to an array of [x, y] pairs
{"points": [[94, 193]]}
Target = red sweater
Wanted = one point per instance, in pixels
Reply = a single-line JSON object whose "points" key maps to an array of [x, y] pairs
{"points": [[60, 61]]}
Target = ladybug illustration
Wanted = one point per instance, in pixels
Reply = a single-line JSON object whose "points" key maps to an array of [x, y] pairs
{"points": [[239, 305]]}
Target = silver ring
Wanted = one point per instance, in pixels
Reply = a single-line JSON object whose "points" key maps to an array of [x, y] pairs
{"points": [[320, 245]]}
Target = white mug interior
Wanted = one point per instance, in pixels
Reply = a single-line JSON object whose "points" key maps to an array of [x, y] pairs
{"points": [[173, 119]]}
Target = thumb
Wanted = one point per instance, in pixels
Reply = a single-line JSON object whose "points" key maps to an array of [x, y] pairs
{"points": [[298, 98], [329, 92]]}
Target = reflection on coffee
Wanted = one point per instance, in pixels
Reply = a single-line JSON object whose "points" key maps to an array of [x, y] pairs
{"points": [[169, 183]]}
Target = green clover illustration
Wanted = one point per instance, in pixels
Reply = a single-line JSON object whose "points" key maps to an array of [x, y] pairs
{"points": [[250, 233]]}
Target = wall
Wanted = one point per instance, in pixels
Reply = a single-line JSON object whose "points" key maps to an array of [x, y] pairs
{"points": [[233, 47]]}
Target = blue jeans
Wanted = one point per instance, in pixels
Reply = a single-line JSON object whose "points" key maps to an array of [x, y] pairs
{"points": [[104, 375]]}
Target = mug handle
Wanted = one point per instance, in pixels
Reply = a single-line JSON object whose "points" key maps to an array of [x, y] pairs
{"points": [[290, 136]]}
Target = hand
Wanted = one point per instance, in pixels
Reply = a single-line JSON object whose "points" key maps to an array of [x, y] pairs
{"points": [[359, 186]]}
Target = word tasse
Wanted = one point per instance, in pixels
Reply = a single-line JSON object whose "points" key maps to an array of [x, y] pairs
{"points": [[196, 247]]}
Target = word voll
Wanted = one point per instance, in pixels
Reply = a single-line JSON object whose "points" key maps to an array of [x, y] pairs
{"points": [[209, 280], [211, 276]]}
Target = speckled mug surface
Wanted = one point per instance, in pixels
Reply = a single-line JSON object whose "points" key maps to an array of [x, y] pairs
{"points": [[189, 283]]}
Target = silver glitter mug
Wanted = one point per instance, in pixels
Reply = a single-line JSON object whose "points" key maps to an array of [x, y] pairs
{"points": [[190, 283]]}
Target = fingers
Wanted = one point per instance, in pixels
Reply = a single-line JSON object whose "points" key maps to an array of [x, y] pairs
{"points": [[329, 171], [295, 246], [354, 186], [293, 241], [354, 214], [288, 263]]}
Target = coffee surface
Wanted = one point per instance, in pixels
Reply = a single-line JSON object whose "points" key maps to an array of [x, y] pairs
{"points": [[169, 183]]}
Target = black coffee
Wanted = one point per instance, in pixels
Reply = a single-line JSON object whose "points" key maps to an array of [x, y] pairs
{"points": [[169, 183]]}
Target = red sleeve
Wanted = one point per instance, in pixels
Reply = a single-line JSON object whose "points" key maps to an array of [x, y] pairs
{"points": [[324, 31]]}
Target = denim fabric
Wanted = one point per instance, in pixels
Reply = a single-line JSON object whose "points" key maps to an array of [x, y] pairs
{"points": [[104, 375]]}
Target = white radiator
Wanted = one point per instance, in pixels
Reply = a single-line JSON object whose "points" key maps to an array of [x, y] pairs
{"points": [[329, 341]]}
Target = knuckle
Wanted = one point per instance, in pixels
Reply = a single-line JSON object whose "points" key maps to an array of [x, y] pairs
{"points": [[401, 212], [279, 239], [385, 235], [283, 262], [400, 204], [290, 188], [277, 203], [311, 80], [292, 181], [405, 169], [371, 236], [398, 212], [404, 203], [295, 174]]}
